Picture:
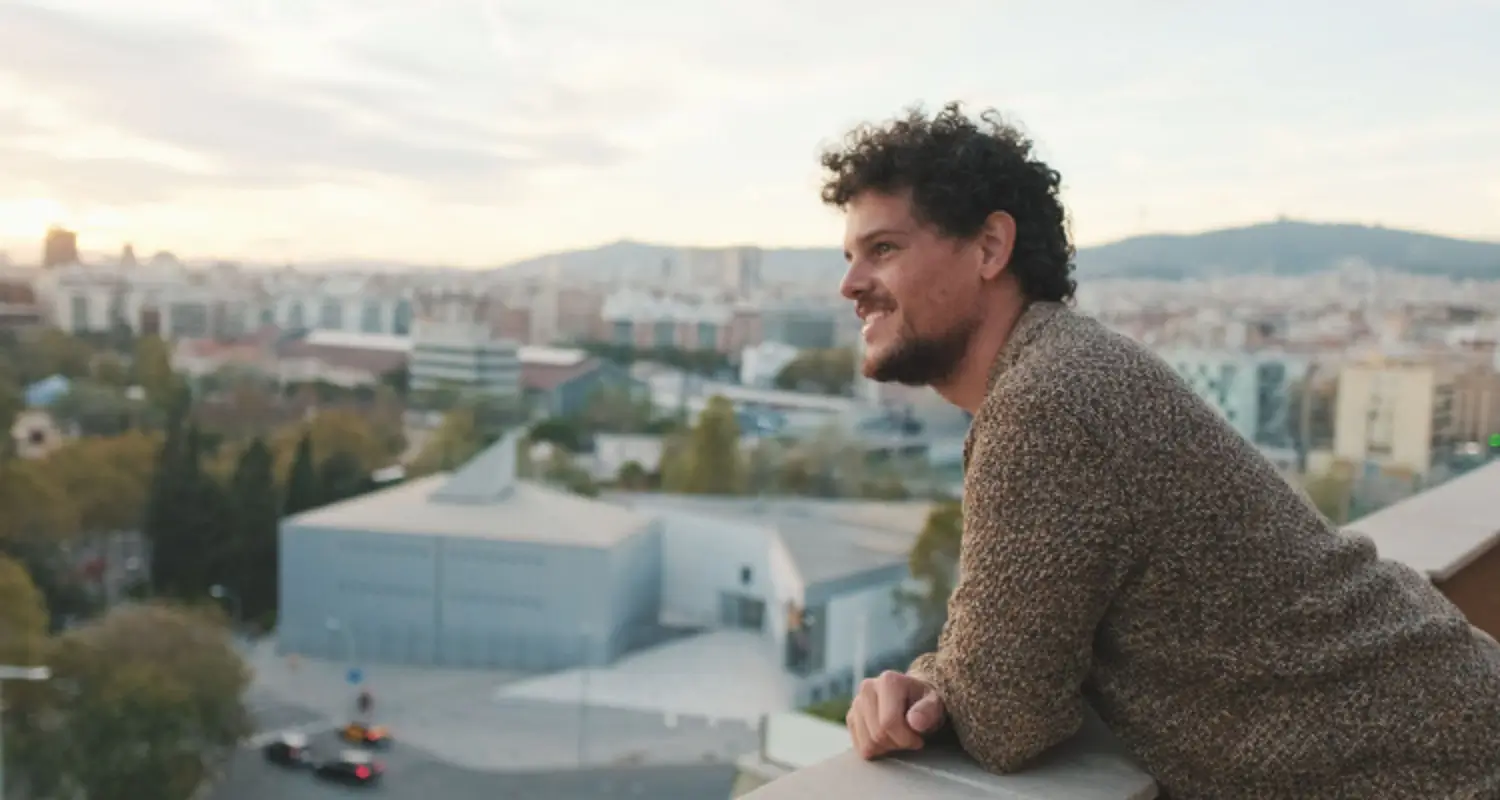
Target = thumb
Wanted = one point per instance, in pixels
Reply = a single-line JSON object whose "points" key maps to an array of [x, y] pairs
{"points": [[926, 715]]}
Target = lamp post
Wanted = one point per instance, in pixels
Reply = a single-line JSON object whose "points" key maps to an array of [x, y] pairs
{"points": [[219, 592], [15, 674]]}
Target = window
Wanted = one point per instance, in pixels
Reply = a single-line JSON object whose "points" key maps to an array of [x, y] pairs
{"points": [[370, 317], [666, 333], [401, 320], [332, 317], [624, 332], [745, 576], [708, 336]]}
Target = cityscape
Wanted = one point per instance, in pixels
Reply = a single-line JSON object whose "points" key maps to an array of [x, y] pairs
{"points": [[462, 401], [574, 493]]}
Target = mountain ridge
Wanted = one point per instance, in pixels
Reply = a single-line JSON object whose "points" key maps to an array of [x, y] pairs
{"points": [[1280, 247]]}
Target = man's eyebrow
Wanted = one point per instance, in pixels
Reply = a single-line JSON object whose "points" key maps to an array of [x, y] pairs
{"points": [[868, 236]]}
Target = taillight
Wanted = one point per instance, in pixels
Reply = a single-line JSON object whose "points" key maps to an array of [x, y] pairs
{"points": [[362, 772]]}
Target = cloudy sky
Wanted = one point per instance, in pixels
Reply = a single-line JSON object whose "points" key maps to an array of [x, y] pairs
{"points": [[473, 132]]}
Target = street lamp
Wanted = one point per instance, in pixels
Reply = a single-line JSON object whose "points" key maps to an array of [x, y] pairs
{"points": [[219, 592], [15, 674]]}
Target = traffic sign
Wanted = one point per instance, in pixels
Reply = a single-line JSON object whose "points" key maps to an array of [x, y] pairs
{"points": [[355, 675]]}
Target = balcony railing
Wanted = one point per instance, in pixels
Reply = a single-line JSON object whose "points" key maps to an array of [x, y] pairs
{"points": [[1092, 766]]}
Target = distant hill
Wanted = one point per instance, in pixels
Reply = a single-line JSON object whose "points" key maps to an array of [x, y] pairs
{"points": [[1289, 248], [1283, 247]]}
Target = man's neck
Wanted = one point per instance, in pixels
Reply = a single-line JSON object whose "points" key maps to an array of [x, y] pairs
{"points": [[970, 382]]}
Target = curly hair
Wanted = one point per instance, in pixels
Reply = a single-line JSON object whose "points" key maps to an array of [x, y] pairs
{"points": [[959, 171]]}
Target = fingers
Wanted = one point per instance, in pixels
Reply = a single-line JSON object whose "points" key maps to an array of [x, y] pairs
{"points": [[877, 718], [926, 714]]}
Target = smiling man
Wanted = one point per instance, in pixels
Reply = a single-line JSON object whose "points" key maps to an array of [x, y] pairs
{"points": [[1123, 547]]}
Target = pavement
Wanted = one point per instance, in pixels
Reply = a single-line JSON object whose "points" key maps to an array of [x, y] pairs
{"points": [[456, 735], [414, 774]]}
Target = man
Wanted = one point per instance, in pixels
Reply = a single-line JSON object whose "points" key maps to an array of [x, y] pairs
{"points": [[1123, 547]]}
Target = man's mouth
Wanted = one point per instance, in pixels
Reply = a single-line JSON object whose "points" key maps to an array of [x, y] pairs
{"points": [[871, 317]]}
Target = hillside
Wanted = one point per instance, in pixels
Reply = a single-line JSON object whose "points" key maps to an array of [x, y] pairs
{"points": [[1283, 247]]}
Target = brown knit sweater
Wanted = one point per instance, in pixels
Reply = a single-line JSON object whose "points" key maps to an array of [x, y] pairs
{"points": [[1124, 547]]}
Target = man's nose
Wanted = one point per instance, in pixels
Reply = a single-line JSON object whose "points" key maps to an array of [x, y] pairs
{"points": [[856, 281]]}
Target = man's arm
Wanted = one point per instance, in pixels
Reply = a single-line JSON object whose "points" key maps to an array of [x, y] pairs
{"points": [[1045, 548]]}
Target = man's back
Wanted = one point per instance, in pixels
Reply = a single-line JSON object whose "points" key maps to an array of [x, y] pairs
{"points": [[1247, 649]]}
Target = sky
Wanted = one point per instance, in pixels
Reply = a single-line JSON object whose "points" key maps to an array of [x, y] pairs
{"points": [[476, 132]]}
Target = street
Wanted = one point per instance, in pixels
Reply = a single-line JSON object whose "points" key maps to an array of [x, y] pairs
{"points": [[453, 738]]}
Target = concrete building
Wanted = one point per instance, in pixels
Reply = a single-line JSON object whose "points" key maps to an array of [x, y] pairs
{"points": [[474, 569], [481, 569], [563, 381], [454, 344]]}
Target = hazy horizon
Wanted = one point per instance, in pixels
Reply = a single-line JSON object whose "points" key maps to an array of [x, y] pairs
{"points": [[472, 134]]}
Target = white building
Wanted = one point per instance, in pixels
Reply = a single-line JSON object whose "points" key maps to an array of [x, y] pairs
{"points": [[760, 364], [454, 344], [1252, 390]]}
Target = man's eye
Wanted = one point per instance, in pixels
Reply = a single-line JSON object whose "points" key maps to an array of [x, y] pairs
{"points": [[881, 248]]}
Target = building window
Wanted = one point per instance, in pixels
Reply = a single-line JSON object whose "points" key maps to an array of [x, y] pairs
{"points": [[80, 313], [296, 317], [401, 320], [708, 336], [624, 333], [370, 317], [332, 317], [745, 575], [666, 334]]}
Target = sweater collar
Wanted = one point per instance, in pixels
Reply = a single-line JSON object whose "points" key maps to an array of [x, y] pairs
{"points": [[1033, 321]]}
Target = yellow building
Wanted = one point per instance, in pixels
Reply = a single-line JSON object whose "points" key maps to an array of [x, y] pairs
{"points": [[1393, 414]]}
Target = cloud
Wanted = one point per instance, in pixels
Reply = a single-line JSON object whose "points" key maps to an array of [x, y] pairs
{"points": [[207, 93]]}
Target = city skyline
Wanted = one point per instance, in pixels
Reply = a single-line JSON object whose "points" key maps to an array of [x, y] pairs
{"points": [[474, 133]]}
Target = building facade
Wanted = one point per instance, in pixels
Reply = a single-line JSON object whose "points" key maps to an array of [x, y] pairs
{"points": [[454, 344]]}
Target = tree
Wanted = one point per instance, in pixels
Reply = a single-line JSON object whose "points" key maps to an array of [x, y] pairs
{"points": [[23, 615], [340, 477], [11, 403], [633, 477], [106, 480], [302, 492], [33, 505], [710, 463], [934, 562], [97, 409], [252, 567], [152, 371], [336, 431], [145, 702], [824, 371], [188, 519], [453, 443]]}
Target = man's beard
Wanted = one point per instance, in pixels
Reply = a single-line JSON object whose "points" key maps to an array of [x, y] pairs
{"points": [[922, 361]]}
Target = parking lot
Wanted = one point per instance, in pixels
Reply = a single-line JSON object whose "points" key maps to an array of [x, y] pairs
{"points": [[454, 738]]}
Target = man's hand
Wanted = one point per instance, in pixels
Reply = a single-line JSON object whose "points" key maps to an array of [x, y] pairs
{"points": [[893, 712]]}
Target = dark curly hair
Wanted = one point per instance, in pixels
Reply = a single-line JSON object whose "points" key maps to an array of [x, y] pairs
{"points": [[960, 171]]}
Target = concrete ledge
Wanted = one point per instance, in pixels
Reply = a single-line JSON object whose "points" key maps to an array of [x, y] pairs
{"points": [[1091, 766]]}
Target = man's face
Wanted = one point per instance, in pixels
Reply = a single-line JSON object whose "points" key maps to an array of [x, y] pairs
{"points": [[917, 291]]}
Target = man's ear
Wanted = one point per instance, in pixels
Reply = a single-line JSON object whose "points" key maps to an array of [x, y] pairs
{"points": [[997, 239]]}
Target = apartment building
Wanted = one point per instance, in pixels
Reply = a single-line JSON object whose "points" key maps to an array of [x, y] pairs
{"points": [[1252, 390], [454, 343]]}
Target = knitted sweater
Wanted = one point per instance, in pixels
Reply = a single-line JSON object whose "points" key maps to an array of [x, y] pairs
{"points": [[1123, 547]]}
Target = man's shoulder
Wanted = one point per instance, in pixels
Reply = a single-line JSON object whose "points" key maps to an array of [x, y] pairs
{"points": [[1075, 365]]}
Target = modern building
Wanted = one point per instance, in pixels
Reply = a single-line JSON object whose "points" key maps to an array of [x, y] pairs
{"points": [[1252, 390], [472, 569], [563, 381], [481, 569], [454, 344]]}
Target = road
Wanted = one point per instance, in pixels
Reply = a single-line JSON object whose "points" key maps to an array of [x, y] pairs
{"points": [[413, 774], [454, 739]]}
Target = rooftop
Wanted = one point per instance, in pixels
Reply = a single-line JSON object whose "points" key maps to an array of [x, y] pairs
{"points": [[1439, 531], [1092, 766], [531, 512]]}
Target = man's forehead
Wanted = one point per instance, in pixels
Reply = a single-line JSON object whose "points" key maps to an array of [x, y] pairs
{"points": [[878, 213]]}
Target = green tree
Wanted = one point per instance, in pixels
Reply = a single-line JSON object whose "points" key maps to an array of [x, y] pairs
{"points": [[453, 443], [152, 370], [710, 462], [824, 371], [341, 477], [633, 477], [188, 518], [934, 562], [253, 571], [145, 702], [23, 615], [11, 403], [302, 491]]}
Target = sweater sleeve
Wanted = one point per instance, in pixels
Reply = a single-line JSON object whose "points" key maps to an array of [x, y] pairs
{"points": [[1042, 554]]}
